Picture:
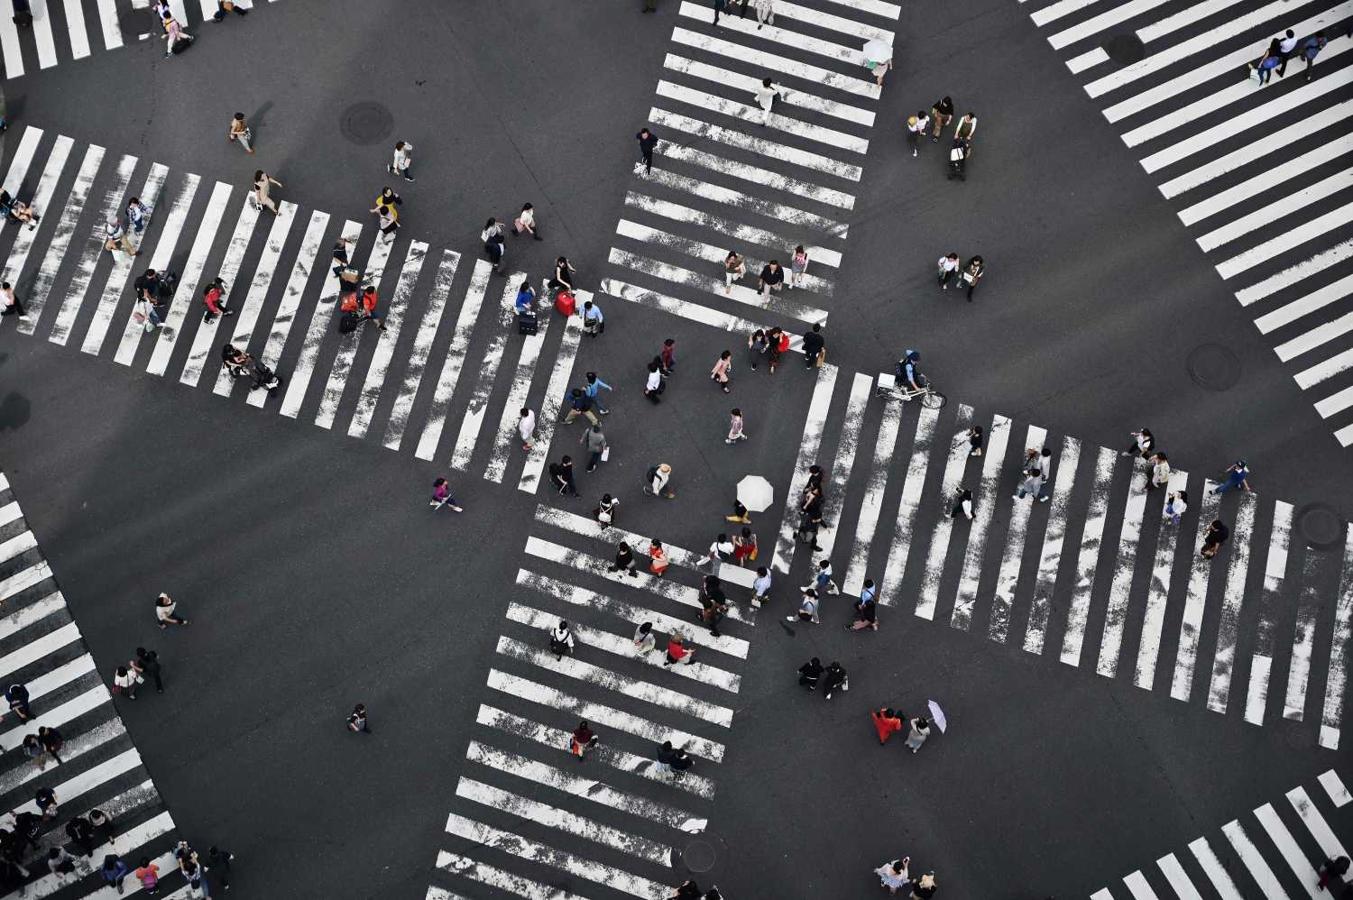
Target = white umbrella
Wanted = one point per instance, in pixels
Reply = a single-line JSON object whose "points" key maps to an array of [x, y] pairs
{"points": [[877, 51], [755, 493], [937, 716]]}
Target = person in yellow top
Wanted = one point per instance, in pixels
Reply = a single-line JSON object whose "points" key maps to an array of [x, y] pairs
{"points": [[387, 207]]}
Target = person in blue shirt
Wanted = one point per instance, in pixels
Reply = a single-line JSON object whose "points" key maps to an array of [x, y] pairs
{"points": [[909, 370], [593, 389], [594, 323], [525, 294]]}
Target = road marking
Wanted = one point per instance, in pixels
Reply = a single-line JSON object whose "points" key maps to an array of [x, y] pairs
{"points": [[1179, 880], [769, 62], [1054, 11], [728, 228], [1317, 826], [15, 584], [23, 156], [1087, 562], [798, 41], [42, 34], [1261, 663], [832, 23], [806, 159], [1254, 862], [379, 366], [1336, 682], [929, 596], [818, 407], [913, 483], [75, 27], [455, 360], [34, 612], [1291, 275], [204, 340], [1007, 577], [73, 748], [108, 23], [779, 212], [1158, 591], [754, 115], [59, 715], [506, 436], [474, 870], [1219, 690], [737, 80], [11, 52], [37, 648], [1287, 847], [1335, 403], [348, 344], [86, 781], [416, 364], [754, 174], [984, 508], [1334, 786], [1288, 240], [1054, 537], [622, 290], [472, 421], [1120, 588], [550, 407], [1312, 302], [1195, 602], [42, 200], [1214, 870], [1095, 24], [312, 244], [1139, 889], [871, 507], [1292, 203], [843, 462], [136, 836]]}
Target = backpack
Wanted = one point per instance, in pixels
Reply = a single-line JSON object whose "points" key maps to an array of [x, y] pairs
{"points": [[347, 323], [651, 474]]}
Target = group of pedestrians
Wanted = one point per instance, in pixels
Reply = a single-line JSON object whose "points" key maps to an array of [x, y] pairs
{"points": [[950, 265], [1283, 48]]}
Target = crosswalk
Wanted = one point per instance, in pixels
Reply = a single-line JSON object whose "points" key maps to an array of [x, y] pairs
{"points": [[74, 29], [1273, 852], [449, 354], [41, 648], [1256, 174]]}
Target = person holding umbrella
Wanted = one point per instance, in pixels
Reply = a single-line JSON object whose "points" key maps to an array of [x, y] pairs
{"points": [[878, 58], [918, 731]]}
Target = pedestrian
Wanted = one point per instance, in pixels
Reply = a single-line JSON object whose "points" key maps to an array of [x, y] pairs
{"points": [[963, 504], [526, 295], [564, 275], [597, 448], [387, 215], [810, 673], [722, 366], [561, 475], [924, 888], [214, 298], [624, 560], [594, 323], [677, 651], [1159, 476], [241, 133], [45, 798], [719, 7], [916, 127], [972, 273], [975, 440], [886, 722], [772, 278], [228, 6], [657, 557], [1265, 65], [777, 343], [263, 185], [721, 549], [645, 641], [964, 131], [526, 427], [658, 477], [605, 511], [579, 405], [1213, 538], [647, 142], [676, 759], [734, 267], [814, 347], [115, 238], [757, 345], [174, 34], [114, 871], [401, 161], [918, 731], [653, 384], [822, 579], [219, 860], [492, 239], [807, 608], [561, 640], [137, 215], [866, 609], [766, 95], [357, 720], [81, 833], [1237, 476], [667, 356], [1331, 869], [714, 606], [940, 114], [1143, 444], [745, 547], [1175, 506], [148, 873], [441, 496], [948, 266], [12, 306], [688, 890], [52, 741], [144, 312], [525, 223], [761, 587], [1287, 46], [582, 740], [103, 825], [713, 893], [740, 513], [798, 266], [879, 67], [194, 874], [1310, 49], [834, 679], [340, 260], [1030, 485], [125, 682], [810, 520], [32, 748], [60, 863], [765, 12]]}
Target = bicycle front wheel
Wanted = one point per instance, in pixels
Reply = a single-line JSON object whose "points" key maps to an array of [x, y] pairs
{"points": [[933, 400]]}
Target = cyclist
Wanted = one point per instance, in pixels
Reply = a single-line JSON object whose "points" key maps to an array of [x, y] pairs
{"points": [[909, 371]]}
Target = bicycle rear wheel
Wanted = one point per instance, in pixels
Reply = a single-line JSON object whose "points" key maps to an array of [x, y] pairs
{"points": [[933, 400]]}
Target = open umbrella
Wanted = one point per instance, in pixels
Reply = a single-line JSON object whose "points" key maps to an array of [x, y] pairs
{"points": [[877, 51], [937, 716], [755, 493]]}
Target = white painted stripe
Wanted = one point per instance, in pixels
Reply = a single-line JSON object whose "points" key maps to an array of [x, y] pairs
{"points": [[1007, 577], [677, 556], [737, 80], [36, 611], [15, 584], [769, 62], [1219, 689], [204, 339], [472, 421], [10, 512], [121, 269], [37, 648], [10, 50], [1276, 209], [1335, 403], [132, 330], [57, 716], [554, 395], [1185, 17], [1054, 11], [984, 509], [1138, 887], [813, 161], [624, 646], [42, 34], [455, 360], [1325, 369], [506, 436], [547, 816], [728, 227], [532, 851], [818, 408], [474, 870], [208, 8], [393, 319], [136, 836], [75, 26], [546, 696], [90, 778], [84, 272], [180, 10], [584, 562], [1344, 435], [557, 739], [1334, 786], [1158, 591], [1275, 568], [843, 462], [1102, 22], [416, 364], [60, 242], [800, 42], [312, 242], [1179, 880], [246, 317], [1317, 826], [1087, 60], [877, 7], [753, 115], [1087, 563], [871, 507], [1120, 588], [20, 543], [1254, 861], [81, 744], [913, 483], [1195, 602], [636, 689], [1214, 870], [186, 293], [1212, 37], [348, 344], [1312, 302], [42, 200], [829, 22], [622, 290], [44, 684], [1288, 848], [1336, 681], [929, 596], [1054, 537], [1289, 276], [1101, 894], [755, 174], [23, 156], [322, 318], [780, 212], [708, 253], [1257, 149]]}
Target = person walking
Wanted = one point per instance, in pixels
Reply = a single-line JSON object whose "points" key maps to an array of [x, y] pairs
{"points": [[115, 238], [582, 740], [45, 798], [807, 608], [1265, 65], [81, 834], [214, 298], [125, 682], [579, 405], [357, 720], [822, 579], [667, 356], [1213, 538], [721, 549], [594, 323], [916, 127], [561, 640], [772, 279], [765, 12], [645, 641], [401, 161], [263, 185], [924, 888], [720, 6], [687, 890], [525, 223], [887, 722], [114, 871], [441, 496], [963, 502], [241, 133], [965, 129], [138, 214], [597, 448], [148, 873], [1331, 869], [722, 366], [674, 759], [1175, 506], [1159, 476], [745, 547], [606, 510], [1237, 476], [834, 679], [624, 561], [734, 267], [1030, 485], [492, 239], [866, 609], [810, 673], [948, 267], [918, 731], [975, 440], [526, 427], [648, 141], [972, 273], [814, 347], [387, 216], [757, 346], [677, 651], [11, 304], [657, 558], [1287, 46], [52, 741], [1143, 444], [653, 384], [798, 267], [1310, 49], [164, 612], [761, 587], [17, 697], [766, 95], [174, 34], [940, 114], [224, 7], [561, 475], [777, 344], [735, 427], [658, 479]]}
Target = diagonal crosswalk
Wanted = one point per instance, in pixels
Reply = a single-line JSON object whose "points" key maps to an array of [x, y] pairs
{"points": [[1259, 174]]}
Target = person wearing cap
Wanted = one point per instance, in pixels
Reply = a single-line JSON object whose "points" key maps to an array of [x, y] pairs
{"points": [[1236, 477]]}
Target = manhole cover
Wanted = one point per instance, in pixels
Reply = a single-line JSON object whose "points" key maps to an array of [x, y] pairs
{"points": [[1320, 526], [366, 122], [699, 856], [1125, 49], [1214, 367]]}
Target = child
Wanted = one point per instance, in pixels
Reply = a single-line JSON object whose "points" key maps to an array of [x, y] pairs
{"points": [[441, 496]]}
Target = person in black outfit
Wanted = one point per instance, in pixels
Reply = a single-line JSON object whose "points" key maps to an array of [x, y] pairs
{"points": [[1214, 537], [147, 663], [27, 825], [688, 890], [835, 678], [81, 834], [218, 861], [221, 11], [17, 695], [813, 345], [810, 672], [52, 741], [647, 142]]}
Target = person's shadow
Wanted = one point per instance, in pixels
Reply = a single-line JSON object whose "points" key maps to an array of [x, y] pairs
{"points": [[15, 411]]}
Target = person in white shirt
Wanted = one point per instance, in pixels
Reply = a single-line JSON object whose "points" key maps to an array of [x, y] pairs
{"points": [[916, 126], [526, 221], [653, 387], [1176, 506], [721, 549], [761, 587], [962, 504], [561, 640], [1160, 472], [765, 12], [402, 160], [526, 427], [766, 95], [948, 266], [1286, 44]]}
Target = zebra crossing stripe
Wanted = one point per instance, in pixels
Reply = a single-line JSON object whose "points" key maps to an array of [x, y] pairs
{"points": [[455, 360], [483, 873], [727, 228], [76, 747], [843, 463], [769, 62], [1291, 275], [473, 420], [1139, 888], [779, 212], [1302, 306], [1287, 846], [1275, 568], [755, 174], [37, 648], [1317, 826], [1219, 690], [1087, 562], [1214, 870], [423, 339], [108, 23], [831, 22], [1292, 203], [20, 581], [753, 115], [737, 80], [806, 159], [1007, 577], [1312, 339], [1335, 403], [1095, 24], [75, 25], [136, 836], [42, 199], [776, 34], [1054, 11], [36, 611], [204, 339], [23, 156], [1158, 591], [551, 405], [11, 53], [287, 308], [1054, 537], [1253, 860], [877, 7], [57, 716], [1195, 603], [436, 893], [558, 740], [321, 317], [549, 697], [1125, 563], [818, 408], [622, 290], [871, 506], [576, 596], [1102, 894], [1334, 786], [1179, 880], [1303, 640], [985, 508], [332, 397], [1332, 714], [929, 596], [912, 485], [1288, 240], [89, 779], [506, 436], [42, 34], [379, 366]]}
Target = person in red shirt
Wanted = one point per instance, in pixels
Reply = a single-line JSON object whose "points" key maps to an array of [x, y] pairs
{"points": [[886, 721], [677, 651], [213, 295], [363, 305]]}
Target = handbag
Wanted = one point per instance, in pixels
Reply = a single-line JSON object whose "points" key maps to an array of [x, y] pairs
{"points": [[605, 457]]}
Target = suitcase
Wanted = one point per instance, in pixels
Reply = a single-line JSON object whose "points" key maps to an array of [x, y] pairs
{"points": [[565, 304], [526, 323]]}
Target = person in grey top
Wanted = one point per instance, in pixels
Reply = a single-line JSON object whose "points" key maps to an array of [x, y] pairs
{"points": [[596, 443]]}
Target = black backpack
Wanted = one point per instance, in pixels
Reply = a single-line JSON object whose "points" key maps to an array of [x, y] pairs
{"points": [[347, 323]]}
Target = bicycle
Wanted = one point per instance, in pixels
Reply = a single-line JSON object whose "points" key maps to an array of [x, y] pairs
{"points": [[889, 388]]}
